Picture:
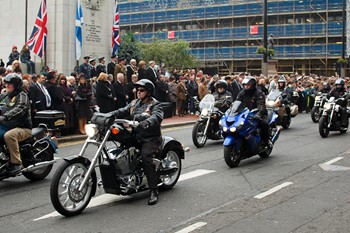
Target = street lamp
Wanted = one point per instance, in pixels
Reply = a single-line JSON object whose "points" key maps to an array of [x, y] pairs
{"points": [[264, 63]]}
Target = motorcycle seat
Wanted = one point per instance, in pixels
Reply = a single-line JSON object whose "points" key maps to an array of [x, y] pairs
{"points": [[36, 133]]}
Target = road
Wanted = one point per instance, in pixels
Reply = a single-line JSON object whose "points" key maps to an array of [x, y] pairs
{"points": [[287, 192]]}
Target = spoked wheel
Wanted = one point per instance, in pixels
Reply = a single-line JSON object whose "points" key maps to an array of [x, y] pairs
{"points": [[231, 159], [315, 114], [323, 127], [198, 137], [40, 174], [65, 196], [266, 153], [346, 128], [172, 160]]}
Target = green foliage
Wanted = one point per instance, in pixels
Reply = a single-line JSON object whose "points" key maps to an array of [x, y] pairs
{"points": [[173, 53], [262, 50], [129, 48], [342, 61], [270, 52]]}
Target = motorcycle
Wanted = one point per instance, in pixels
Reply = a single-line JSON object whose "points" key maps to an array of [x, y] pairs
{"points": [[274, 102], [317, 109], [37, 155], [241, 133], [207, 125], [331, 118], [120, 164]]}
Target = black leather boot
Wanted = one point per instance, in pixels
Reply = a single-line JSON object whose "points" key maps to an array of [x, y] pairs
{"points": [[153, 198]]}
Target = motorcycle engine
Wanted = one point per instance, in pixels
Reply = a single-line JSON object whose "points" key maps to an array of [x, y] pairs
{"points": [[3, 155], [133, 182]]}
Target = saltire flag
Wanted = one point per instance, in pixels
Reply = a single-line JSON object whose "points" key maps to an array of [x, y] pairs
{"points": [[116, 30], [79, 23], [37, 41]]}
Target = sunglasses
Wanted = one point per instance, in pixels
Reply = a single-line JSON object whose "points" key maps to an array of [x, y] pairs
{"points": [[141, 90]]}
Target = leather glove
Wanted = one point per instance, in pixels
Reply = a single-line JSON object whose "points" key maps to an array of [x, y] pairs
{"points": [[143, 125], [257, 117], [2, 119]]}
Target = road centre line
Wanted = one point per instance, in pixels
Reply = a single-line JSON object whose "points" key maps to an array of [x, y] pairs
{"points": [[273, 190], [333, 161], [192, 227], [109, 198]]}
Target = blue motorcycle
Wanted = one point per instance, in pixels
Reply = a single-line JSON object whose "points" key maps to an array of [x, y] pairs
{"points": [[241, 133]]}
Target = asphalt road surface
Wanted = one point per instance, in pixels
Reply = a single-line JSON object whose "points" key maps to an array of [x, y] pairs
{"points": [[302, 187]]}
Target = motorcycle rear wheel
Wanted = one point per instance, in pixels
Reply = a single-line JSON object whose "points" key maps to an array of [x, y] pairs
{"points": [[40, 174], [323, 127], [64, 193], [198, 137], [315, 114], [230, 158], [344, 130], [171, 160]]}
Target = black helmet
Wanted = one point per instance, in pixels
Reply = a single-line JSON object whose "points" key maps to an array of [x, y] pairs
{"points": [[147, 84], [339, 84], [14, 79], [249, 80], [220, 83]]}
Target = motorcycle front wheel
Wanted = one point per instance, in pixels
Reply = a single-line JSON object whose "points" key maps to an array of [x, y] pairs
{"points": [[315, 114], [230, 158], [323, 127], [171, 160], [65, 196], [198, 137]]}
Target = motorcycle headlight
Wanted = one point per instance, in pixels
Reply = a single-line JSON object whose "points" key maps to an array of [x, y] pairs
{"points": [[327, 106], [91, 130], [204, 112], [225, 129], [233, 129]]}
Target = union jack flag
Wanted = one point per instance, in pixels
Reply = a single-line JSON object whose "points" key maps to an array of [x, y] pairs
{"points": [[37, 41], [116, 31]]}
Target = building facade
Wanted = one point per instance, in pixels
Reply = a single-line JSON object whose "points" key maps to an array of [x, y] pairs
{"points": [[225, 34]]}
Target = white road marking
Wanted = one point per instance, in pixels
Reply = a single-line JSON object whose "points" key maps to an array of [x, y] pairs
{"points": [[194, 174], [327, 166], [109, 198], [333, 161], [274, 189], [192, 227]]}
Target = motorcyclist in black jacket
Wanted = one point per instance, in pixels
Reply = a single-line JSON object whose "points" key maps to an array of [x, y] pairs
{"points": [[286, 94], [223, 98], [338, 92], [149, 113], [253, 98]]}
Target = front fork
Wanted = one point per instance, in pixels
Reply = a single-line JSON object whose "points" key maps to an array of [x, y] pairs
{"points": [[206, 126], [94, 159]]}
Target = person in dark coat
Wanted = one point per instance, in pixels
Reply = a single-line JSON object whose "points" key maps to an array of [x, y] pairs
{"points": [[162, 90], [130, 70], [111, 65], [101, 67], [105, 96], [67, 105], [85, 68], [236, 87], [83, 98], [119, 90], [130, 89], [56, 98], [152, 74], [142, 71], [25, 58], [93, 67], [14, 55]]}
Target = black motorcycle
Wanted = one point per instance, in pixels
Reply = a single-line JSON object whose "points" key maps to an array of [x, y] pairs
{"points": [[331, 117], [75, 181], [317, 109], [207, 125], [37, 155]]}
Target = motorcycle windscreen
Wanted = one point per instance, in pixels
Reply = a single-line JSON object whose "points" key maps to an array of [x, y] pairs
{"points": [[207, 102], [236, 108], [273, 95]]}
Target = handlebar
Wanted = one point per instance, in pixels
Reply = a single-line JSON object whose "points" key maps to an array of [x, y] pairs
{"points": [[133, 124]]}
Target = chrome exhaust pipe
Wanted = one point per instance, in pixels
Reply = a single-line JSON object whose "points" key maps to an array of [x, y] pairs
{"points": [[37, 166], [277, 134]]}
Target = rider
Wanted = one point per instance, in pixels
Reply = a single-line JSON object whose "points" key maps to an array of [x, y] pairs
{"points": [[286, 93], [253, 98], [149, 113], [15, 120], [222, 96], [326, 88], [338, 92]]}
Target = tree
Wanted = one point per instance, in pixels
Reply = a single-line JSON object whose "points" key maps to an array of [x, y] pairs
{"points": [[175, 54], [129, 47]]}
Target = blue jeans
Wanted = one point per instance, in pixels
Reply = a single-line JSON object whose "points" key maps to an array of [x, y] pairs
{"points": [[3, 130], [30, 67]]}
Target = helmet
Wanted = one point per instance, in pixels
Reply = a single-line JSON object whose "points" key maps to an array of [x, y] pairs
{"points": [[14, 79], [147, 84], [220, 83], [339, 84], [249, 80], [281, 79]]}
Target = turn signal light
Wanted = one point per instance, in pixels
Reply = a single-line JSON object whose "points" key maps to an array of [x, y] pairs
{"points": [[115, 131]]}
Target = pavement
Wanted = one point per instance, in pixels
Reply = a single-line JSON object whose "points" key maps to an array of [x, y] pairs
{"points": [[174, 121]]}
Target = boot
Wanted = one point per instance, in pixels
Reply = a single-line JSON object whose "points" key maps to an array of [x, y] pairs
{"points": [[153, 198]]}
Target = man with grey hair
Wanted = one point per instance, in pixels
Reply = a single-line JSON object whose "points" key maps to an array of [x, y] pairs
{"points": [[130, 70], [119, 90], [151, 73]]}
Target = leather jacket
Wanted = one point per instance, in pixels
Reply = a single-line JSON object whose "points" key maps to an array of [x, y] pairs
{"points": [[253, 100]]}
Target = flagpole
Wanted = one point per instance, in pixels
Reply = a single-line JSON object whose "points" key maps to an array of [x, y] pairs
{"points": [[26, 22]]}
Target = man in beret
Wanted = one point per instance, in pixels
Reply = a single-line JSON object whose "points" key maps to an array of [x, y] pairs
{"points": [[101, 67], [93, 67], [120, 67], [85, 68], [111, 65]]}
